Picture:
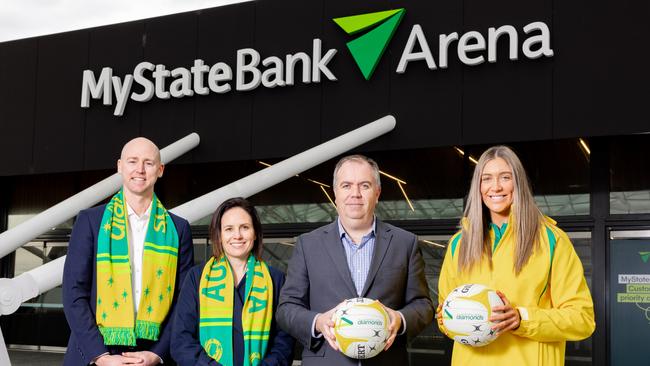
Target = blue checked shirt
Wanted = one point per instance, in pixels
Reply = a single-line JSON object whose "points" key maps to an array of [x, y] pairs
{"points": [[359, 255]]}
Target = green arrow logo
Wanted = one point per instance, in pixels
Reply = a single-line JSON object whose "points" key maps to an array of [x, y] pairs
{"points": [[368, 49], [644, 256]]}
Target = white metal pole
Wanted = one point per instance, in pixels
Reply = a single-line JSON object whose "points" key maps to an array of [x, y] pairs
{"points": [[202, 206], [4, 355], [16, 237]]}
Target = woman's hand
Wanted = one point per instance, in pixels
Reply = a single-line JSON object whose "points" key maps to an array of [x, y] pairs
{"points": [[506, 316], [441, 326]]}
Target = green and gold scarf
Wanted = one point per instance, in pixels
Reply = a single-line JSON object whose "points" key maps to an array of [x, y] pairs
{"points": [[216, 298], [114, 314]]}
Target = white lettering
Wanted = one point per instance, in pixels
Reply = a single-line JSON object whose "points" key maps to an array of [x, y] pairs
{"points": [[273, 76], [182, 86], [466, 45], [198, 70], [443, 49], [91, 88], [138, 77], [219, 72], [408, 55], [291, 62], [160, 75], [319, 63], [544, 39], [493, 37], [243, 68], [121, 92]]}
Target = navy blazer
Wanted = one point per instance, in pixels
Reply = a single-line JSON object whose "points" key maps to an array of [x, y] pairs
{"points": [[185, 344], [80, 291]]}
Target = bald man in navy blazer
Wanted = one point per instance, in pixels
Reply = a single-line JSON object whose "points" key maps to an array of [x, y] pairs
{"points": [[140, 167], [355, 256]]}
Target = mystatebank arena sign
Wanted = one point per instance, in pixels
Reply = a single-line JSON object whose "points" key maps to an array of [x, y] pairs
{"points": [[250, 71]]}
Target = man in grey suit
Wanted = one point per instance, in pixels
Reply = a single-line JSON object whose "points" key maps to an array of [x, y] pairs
{"points": [[355, 256]]}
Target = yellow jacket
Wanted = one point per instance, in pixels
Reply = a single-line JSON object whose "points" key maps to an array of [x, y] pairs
{"points": [[550, 293]]}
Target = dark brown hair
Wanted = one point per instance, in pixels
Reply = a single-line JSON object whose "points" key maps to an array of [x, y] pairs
{"points": [[215, 226]]}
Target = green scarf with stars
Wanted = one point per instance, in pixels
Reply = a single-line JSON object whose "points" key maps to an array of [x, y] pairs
{"points": [[114, 312], [216, 302]]}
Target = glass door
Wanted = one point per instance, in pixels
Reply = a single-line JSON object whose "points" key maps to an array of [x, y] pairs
{"points": [[629, 297]]}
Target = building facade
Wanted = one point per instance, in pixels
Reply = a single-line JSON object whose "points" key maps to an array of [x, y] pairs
{"points": [[560, 82]]}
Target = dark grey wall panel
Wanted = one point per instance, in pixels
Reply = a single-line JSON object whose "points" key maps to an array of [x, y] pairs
{"points": [[17, 98], [593, 85], [118, 47], [576, 77], [507, 100], [352, 101], [59, 121], [165, 121], [224, 120], [426, 103], [602, 72], [291, 114]]}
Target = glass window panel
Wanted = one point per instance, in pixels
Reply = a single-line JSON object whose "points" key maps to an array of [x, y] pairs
{"points": [[202, 250], [558, 172], [629, 202], [277, 252], [28, 257], [564, 204], [629, 168]]}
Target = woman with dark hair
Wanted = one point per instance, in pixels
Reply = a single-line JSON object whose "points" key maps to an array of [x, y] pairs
{"points": [[507, 244], [225, 312]]}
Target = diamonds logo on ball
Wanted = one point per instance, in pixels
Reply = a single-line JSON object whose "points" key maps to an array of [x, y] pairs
{"points": [[465, 314], [361, 328]]}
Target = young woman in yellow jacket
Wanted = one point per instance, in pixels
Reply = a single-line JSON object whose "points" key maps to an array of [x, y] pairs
{"points": [[507, 244]]}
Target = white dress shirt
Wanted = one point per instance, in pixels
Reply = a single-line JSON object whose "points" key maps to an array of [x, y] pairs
{"points": [[137, 230]]}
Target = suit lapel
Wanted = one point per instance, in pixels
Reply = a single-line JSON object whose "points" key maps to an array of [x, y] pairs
{"points": [[332, 242], [382, 241]]}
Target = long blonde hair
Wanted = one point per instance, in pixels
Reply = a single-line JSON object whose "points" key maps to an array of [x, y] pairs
{"points": [[527, 218]]}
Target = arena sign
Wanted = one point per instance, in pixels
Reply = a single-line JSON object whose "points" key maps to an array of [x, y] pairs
{"points": [[202, 79]]}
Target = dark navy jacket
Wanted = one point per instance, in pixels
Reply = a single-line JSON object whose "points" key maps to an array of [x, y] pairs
{"points": [[186, 348], [80, 291]]}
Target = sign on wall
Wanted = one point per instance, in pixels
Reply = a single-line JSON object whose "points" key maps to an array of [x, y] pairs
{"points": [[630, 301], [252, 69]]}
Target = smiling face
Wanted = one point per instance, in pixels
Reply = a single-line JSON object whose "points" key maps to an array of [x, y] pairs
{"points": [[497, 189], [356, 193], [140, 167], [237, 234]]}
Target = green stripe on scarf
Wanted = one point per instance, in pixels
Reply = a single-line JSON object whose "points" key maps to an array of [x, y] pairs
{"points": [[216, 298], [114, 314]]}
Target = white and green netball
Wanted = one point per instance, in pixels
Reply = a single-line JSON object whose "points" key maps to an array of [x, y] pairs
{"points": [[361, 328], [465, 314]]}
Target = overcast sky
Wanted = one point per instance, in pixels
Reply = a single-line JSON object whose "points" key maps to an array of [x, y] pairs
{"points": [[29, 18]]}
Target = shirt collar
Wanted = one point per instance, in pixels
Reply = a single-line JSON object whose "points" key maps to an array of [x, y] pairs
{"points": [[342, 232], [132, 213]]}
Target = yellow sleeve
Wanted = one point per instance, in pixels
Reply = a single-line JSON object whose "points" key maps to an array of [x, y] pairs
{"points": [[447, 279], [572, 314]]}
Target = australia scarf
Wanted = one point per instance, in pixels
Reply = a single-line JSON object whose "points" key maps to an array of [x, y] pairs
{"points": [[115, 303], [216, 294]]}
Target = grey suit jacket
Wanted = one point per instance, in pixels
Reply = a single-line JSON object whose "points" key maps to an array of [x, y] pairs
{"points": [[318, 279]]}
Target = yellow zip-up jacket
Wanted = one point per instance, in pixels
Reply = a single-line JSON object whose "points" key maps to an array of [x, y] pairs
{"points": [[550, 293]]}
